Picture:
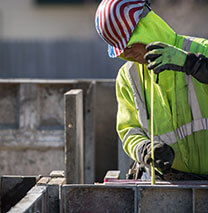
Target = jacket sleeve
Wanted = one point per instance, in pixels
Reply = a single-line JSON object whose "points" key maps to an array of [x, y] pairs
{"points": [[197, 66], [129, 128]]}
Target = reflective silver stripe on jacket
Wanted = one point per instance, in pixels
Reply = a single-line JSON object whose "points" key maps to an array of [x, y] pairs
{"points": [[192, 98], [134, 131], [193, 102], [194, 126], [169, 137], [138, 95], [181, 132], [187, 43]]}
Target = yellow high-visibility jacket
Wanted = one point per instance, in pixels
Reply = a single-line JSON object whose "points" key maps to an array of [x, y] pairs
{"points": [[180, 101]]}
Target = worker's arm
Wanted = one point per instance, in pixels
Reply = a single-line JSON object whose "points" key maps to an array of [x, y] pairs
{"points": [[197, 66], [167, 57], [135, 141]]}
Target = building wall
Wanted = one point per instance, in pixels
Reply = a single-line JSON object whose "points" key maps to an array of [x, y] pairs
{"points": [[60, 41], [25, 19]]}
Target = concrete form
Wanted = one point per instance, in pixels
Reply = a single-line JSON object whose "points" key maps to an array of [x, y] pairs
{"points": [[141, 197], [32, 126], [43, 197], [74, 144], [34, 201], [52, 195]]}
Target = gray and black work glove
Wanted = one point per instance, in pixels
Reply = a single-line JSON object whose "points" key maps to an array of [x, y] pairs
{"points": [[161, 56], [163, 155]]}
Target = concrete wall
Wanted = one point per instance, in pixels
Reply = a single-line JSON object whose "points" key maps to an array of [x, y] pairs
{"points": [[32, 126]]}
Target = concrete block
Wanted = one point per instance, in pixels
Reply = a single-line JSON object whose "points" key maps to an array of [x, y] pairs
{"points": [[112, 175], [74, 147], [57, 173], [44, 181]]}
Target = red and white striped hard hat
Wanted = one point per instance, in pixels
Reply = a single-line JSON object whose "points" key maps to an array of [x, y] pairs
{"points": [[115, 22]]}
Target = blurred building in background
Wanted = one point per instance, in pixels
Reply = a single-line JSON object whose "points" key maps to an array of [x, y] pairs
{"points": [[56, 39], [52, 39]]}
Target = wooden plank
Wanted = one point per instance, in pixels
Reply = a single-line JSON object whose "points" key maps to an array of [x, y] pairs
{"points": [[44, 180], [112, 175], [57, 173]]}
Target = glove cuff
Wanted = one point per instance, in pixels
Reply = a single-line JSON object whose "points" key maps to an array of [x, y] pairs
{"points": [[143, 148], [192, 63]]}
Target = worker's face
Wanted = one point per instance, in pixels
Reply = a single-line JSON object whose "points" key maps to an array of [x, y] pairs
{"points": [[136, 52]]}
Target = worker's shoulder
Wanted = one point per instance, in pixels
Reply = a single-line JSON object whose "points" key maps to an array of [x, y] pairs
{"points": [[128, 66], [124, 70]]}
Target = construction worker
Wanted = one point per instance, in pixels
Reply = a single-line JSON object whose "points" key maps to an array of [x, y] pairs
{"points": [[180, 98]]}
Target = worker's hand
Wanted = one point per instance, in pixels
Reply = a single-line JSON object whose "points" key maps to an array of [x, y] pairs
{"points": [[161, 56], [163, 155]]}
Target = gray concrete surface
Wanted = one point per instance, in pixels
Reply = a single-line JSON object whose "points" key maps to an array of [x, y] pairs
{"points": [[141, 197], [91, 198], [51, 194], [74, 141], [32, 126]]}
